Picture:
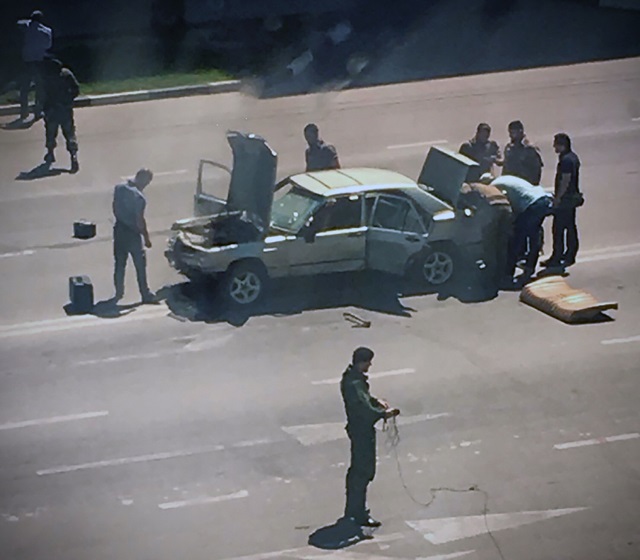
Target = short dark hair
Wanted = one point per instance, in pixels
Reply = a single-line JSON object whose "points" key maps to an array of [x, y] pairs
{"points": [[362, 354], [515, 125], [311, 126], [37, 15], [483, 126], [563, 139]]}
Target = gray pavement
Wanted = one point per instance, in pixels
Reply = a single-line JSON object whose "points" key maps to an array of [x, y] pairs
{"points": [[159, 434]]}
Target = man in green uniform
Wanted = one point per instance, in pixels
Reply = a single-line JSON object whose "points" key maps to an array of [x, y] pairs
{"points": [[60, 89], [363, 411]]}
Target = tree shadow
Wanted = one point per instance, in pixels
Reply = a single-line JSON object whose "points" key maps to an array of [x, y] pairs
{"points": [[341, 534], [40, 172]]}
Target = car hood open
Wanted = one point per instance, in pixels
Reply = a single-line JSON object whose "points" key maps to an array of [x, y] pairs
{"points": [[444, 171], [253, 177]]}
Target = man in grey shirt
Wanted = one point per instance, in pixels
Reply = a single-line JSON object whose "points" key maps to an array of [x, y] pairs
{"points": [[129, 231]]}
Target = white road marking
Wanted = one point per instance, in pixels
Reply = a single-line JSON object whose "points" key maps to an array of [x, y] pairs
{"points": [[378, 375], [53, 420], [449, 529], [131, 460], [306, 551], [252, 442], [635, 119], [607, 250], [621, 340], [314, 434], [80, 321], [608, 256], [17, 254], [204, 500], [115, 359], [447, 556], [163, 173], [416, 144], [596, 441]]}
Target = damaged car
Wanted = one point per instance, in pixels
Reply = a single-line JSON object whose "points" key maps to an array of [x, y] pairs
{"points": [[318, 222]]}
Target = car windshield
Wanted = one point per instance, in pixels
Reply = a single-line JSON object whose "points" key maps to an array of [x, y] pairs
{"points": [[293, 207]]}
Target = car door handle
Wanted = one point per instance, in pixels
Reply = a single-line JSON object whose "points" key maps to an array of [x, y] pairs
{"points": [[412, 238]]}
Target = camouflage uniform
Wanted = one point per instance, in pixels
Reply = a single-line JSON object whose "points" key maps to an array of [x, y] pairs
{"points": [[61, 88], [485, 153], [523, 160], [321, 156], [363, 411]]}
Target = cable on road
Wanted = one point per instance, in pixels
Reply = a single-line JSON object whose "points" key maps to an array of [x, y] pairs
{"points": [[392, 441]]}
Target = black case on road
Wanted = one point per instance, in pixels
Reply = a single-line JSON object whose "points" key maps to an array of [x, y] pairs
{"points": [[83, 229], [81, 294]]}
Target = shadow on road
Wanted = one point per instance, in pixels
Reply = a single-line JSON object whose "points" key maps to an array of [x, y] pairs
{"points": [[367, 291], [40, 172], [341, 534], [106, 309], [19, 124]]}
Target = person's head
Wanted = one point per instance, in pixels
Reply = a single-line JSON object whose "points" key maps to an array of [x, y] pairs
{"points": [[311, 134], [143, 178], [516, 131], [37, 16], [483, 132], [561, 143], [362, 358], [51, 65]]}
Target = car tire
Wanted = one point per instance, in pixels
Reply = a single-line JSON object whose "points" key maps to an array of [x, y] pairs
{"points": [[244, 283], [436, 265]]}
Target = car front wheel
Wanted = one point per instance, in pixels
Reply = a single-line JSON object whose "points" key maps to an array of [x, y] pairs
{"points": [[244, 283], [436, 266]]}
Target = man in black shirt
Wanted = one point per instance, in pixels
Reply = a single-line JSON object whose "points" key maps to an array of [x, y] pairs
{"points": [[319, 155], [521, 158], [486, 152], [363, 411], [567, 197]]}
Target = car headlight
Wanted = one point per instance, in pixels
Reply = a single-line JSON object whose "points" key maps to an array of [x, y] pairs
{"points": [[444, 215]]}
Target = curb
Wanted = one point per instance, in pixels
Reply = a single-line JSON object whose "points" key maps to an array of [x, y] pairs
{"points": [[228, 86]]}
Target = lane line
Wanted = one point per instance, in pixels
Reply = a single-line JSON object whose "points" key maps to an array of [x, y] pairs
{"points": [[635, 119], [131, 460], [252, 442], [115, 359], [416, 144], [53, 420], [204, 500], [17, 254], [596, 441], [621, 340], [608, 256], [377, 375], [163, 173], [615, 248]]}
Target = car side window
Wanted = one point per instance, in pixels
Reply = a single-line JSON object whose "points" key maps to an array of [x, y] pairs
{"points": [[341, 213], [396, 214]]}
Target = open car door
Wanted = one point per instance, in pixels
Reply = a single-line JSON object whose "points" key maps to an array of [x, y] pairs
{"points": [[251, 184], [444, 172]]}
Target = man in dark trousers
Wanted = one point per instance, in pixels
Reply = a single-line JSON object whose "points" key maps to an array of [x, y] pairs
{"points": [[319, 155], [482, 150], [36, 43], [129, 231], [567, 197], [60, 89], [521, 158], [363, 411]]}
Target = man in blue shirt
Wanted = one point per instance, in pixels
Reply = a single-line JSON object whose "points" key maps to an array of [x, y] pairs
{"points": [[129, 231], [36, 44], [531, 204], [567, 197]]}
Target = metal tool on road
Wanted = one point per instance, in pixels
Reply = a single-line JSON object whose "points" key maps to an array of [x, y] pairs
{"points": [[357, 322]]}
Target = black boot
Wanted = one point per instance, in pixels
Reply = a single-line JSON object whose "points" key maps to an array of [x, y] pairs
{"points": [[49, 158], [75, 166]]}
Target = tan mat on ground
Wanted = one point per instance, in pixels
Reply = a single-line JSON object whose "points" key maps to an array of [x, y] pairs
{"points": [[554, 296]]}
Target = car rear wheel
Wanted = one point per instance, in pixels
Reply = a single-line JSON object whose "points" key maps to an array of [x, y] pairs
{"points": [[436, 266], [244, 283]]}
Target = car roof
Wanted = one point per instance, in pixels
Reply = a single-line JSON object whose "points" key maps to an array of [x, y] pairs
{"points": [[336, 182]]}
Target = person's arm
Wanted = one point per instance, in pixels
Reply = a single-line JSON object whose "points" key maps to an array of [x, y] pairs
{"points": [[141, 222], [565, 180], [73, 87], [368, 403], [335, 162]]}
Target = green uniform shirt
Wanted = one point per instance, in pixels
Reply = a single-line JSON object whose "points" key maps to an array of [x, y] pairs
{"points": [[363, 410]]}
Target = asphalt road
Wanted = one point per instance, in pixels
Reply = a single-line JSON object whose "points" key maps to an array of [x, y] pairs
{"points": [[168, 432]]}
